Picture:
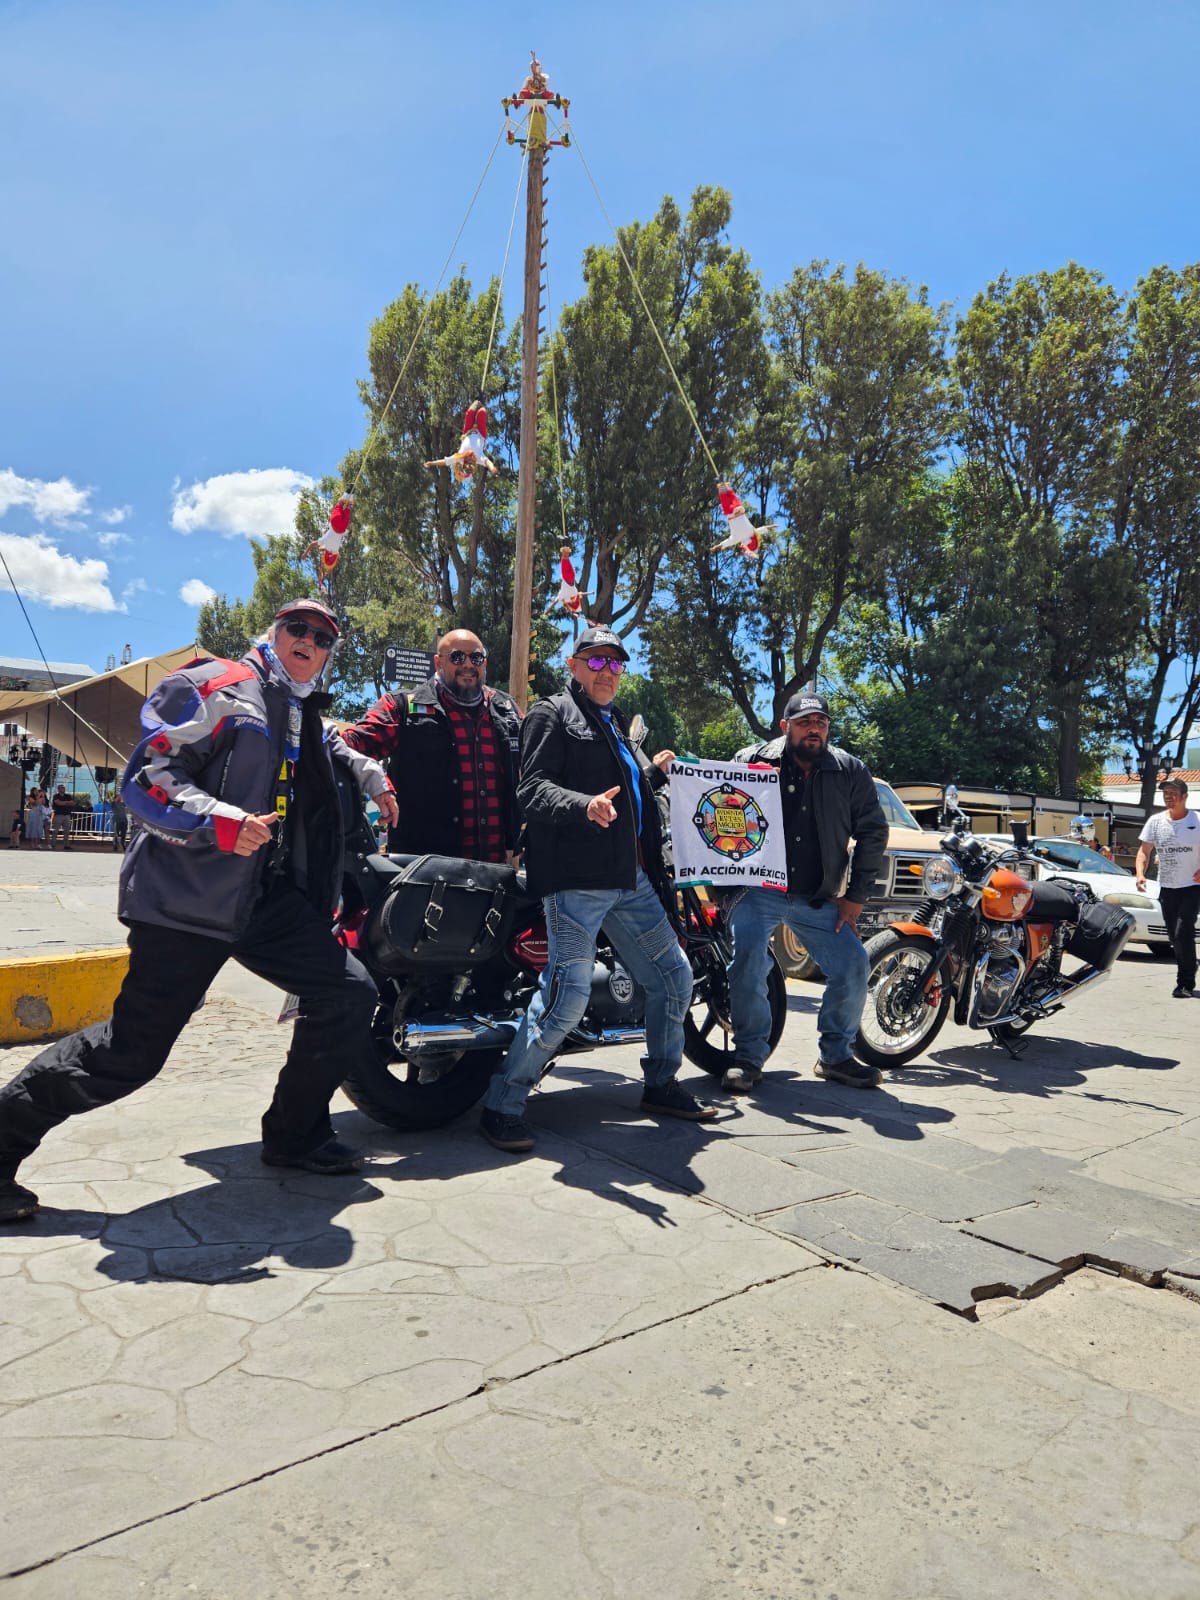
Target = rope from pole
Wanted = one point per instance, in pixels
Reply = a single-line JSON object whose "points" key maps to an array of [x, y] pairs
{"points": [[377, 426], [487, 360], [649, 317]]}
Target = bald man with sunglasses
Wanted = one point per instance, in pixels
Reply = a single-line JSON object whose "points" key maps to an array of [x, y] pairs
{"points": [[451, 749], [593, 852]]}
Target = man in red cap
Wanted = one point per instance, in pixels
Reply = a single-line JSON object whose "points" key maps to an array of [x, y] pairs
{"points": [[239, 854]]}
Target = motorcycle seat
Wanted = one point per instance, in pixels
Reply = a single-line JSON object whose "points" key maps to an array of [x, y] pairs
{"points": [[1052, 902]]}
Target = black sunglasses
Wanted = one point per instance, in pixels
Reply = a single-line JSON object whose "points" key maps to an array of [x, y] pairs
{"points": [[301, 630], [475, 657]]}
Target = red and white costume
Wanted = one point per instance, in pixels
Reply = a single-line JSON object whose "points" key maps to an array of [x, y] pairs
{"points": [[472, 452], [743, 535], [568, 595], [330, 544]]}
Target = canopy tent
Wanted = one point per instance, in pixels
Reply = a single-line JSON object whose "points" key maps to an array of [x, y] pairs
{"points": [[96, 721]]}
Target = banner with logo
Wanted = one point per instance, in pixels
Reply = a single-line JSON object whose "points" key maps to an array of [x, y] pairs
{"points": [[727, 825]]}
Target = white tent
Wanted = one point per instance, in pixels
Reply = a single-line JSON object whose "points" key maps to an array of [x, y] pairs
{"points": [[95, 721]]}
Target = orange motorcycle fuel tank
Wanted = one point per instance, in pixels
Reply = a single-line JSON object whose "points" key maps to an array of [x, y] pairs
{"points": [[1006, 896]]}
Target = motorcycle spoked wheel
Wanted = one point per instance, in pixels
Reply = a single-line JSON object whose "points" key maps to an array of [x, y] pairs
{"points": [[388, 1089], [710, 1013], [897, 1021]]}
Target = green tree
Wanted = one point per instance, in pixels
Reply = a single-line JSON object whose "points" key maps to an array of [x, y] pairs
{"points": [[1156, 503], [848, 417], [1036, 361], [221, 628]]}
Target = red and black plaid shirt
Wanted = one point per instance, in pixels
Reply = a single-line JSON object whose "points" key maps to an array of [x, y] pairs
{"points": [[482, 779]]}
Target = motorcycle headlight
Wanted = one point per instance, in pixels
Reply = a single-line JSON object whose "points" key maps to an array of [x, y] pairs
{"points": [[941, 877], [1125, 898]]}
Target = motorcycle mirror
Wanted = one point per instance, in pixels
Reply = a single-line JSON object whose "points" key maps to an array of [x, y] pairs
{"points": [[1020, 833]]}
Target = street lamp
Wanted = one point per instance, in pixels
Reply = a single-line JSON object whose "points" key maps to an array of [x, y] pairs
{"points": [[1151, 755]]}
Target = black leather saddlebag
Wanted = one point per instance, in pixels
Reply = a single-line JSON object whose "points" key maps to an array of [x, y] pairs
{"points": [[1100, 935], [442, 915]]}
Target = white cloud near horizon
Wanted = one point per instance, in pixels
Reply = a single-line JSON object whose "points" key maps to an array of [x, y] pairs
{"points": [[195, 592], [61, 502], [42, 572], [253, 504]]}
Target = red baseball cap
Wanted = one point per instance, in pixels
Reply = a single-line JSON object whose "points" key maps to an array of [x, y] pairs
{"points": [[315, 608]]}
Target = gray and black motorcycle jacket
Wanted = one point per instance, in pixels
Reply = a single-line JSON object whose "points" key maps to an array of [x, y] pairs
{"points": [[213, 744]]}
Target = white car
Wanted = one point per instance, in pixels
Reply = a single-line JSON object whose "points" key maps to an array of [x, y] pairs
{"points": [[1069, 858]]}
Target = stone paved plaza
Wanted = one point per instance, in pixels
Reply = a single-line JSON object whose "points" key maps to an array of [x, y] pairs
{"points": [[935, 1341]]}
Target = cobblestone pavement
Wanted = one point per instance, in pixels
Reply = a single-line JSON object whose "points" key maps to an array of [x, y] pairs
{"points": [[803, 1351]]}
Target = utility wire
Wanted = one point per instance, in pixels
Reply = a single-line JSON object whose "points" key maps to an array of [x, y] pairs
{"points": [[487, 360]]}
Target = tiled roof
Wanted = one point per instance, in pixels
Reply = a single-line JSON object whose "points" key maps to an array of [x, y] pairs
{"points": [[1118, 780]]}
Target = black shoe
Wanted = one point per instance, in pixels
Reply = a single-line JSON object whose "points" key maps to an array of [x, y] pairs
{"points": [[741, 1077], [851, 1072], [329, 1158], [505, 1132], [16, 1203], [669, 1100], [1182, 992]]}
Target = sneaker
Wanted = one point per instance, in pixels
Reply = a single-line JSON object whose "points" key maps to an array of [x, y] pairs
{"points": [[669, 1100], [1182, 992], [741, 1077], [16, 1203], [505, 1132], [849, 1071], [329, 1158]]}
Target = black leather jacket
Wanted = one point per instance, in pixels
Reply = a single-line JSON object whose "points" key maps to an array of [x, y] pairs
{"points": [[846, 806], [412, 733], [567, 757]]}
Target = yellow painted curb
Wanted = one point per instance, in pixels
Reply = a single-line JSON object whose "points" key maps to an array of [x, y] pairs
{"points": [[43, 997]]}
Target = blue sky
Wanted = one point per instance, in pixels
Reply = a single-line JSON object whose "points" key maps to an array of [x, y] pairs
{"points": [[206, 203]]}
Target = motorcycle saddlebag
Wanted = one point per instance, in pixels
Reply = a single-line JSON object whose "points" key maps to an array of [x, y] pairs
{"points": [[442, 915], [1100, 935]]}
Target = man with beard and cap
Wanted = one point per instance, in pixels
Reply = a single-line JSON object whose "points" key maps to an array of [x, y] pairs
{"points": [[239, 855], [593, 854], [828, 800], [1174, 835], [452, 748]]}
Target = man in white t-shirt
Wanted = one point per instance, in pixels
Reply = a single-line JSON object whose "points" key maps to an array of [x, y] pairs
{"points": [[1174, 834]]}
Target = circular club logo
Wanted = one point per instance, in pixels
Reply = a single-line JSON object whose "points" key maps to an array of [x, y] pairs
{"points": [[730, 822]]}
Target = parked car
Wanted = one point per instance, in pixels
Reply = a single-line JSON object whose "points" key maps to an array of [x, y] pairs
{"points": [[1070, 858], [896, 888]]}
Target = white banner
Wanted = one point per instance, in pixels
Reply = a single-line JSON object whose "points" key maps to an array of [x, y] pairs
{"points": [[727, 824]]}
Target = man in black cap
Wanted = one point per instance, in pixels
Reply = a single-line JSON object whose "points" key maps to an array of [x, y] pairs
{"points": [[828, 799], [239, 854], [593, 851]]}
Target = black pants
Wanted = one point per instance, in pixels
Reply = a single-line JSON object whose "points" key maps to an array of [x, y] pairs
{"points": [[1179, 908], [289, 945]]}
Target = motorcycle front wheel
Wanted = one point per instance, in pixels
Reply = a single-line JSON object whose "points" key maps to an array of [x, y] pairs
{"points": [[410, 1096], [899, 1020], [707, 1028]]}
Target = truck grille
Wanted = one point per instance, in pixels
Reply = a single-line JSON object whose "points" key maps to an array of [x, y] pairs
{"points": [[905, 885]]}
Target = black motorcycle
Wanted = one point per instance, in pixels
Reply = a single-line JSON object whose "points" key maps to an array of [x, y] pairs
{"points": [[456, 949]]}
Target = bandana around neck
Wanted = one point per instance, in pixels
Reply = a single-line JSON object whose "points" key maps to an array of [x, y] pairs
{"points": [[282, 677]]}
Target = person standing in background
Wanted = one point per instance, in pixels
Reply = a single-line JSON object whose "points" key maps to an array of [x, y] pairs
{"points": [[1174, 835]]}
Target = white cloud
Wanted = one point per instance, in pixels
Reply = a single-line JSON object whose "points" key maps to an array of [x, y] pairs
{"points": [[253, 504], [42, 572], [134, 586], [195, 592], [110, 541], [60, 502], [116, 516]]}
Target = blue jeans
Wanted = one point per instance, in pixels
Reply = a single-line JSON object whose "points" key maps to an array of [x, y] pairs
{"points": [[840, 956], [645, 941]]}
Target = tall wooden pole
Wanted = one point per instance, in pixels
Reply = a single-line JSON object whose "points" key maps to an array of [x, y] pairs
{"points": [[518, 660]]}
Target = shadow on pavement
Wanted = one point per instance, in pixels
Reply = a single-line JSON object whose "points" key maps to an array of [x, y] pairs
{"points": [[1046, 1067]]}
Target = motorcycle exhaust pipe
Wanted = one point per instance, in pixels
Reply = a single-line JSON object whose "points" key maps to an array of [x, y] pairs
{"points": [[1058, 999], [457, 1033]]}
